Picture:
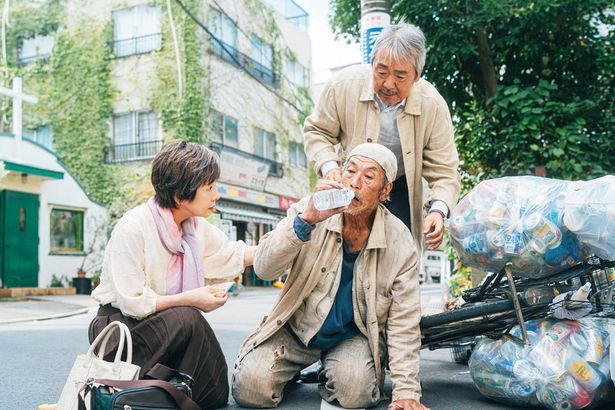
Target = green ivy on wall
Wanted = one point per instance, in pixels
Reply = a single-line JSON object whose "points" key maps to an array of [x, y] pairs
{"points": [[80, 97], [182, 118]]}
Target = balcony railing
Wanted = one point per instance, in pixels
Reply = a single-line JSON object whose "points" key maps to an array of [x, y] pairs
{"points": [[229, 53], [137, 45], [139, 151], [23, 61], [276, 169]]}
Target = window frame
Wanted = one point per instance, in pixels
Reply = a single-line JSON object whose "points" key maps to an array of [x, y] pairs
{"points": [[154, 35], [291, 75], [79, 248], [296, 155], [221, 123], [27, 60], [135, 147], [135, 117], [263, 64], [266, 136], [231, 52]]}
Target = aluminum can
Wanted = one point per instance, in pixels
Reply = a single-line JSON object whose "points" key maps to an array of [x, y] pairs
{"points": [[475, 244], [514, 243], [583, 372]]}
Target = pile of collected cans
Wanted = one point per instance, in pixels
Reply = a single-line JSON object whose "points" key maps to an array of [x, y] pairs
{"points": [[589, 213], [565, 366], [540, 225]]}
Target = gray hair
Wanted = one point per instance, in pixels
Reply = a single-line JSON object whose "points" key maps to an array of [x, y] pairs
{"points": [[402, 42]]}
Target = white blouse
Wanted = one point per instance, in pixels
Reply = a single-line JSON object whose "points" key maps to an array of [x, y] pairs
{"points": [[135, 262]]}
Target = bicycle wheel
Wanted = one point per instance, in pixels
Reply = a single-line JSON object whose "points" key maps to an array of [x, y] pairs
{"points": [[468, 312], [461, 352]]}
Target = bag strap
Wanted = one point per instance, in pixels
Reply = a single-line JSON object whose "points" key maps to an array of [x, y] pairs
{"points": [[184, 402], [161, 372]]}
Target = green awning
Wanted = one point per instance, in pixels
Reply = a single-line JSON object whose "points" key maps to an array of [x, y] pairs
{"points": [[27, 169]]}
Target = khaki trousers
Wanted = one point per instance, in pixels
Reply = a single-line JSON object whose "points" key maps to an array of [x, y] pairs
{"points": [[259, 378]]}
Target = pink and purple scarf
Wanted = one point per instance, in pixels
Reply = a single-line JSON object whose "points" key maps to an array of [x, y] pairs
{"points": [[185, 270]]}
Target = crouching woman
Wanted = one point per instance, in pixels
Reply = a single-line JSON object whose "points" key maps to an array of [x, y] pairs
{"points": [[154, 268]]}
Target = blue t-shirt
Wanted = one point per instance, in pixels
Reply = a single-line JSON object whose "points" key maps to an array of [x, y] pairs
{"points": [[339, 324]]}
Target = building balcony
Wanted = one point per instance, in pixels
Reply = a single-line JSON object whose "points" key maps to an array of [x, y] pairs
{"points": [[240, 60], [139, 151]]}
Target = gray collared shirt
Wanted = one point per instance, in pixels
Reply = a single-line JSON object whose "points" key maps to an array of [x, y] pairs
{"points": [[389, 134]]}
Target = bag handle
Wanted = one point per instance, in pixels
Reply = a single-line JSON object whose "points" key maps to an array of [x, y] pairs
{"points": [[102, 347], [183, 402], [124, 333], [103, 338]]}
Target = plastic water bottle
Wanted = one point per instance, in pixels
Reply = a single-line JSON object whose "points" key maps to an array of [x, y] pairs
{"points": [[332, 198], [580, 295]]}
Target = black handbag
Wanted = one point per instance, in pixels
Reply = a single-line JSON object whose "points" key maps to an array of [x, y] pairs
{"points": [[164, 390]]}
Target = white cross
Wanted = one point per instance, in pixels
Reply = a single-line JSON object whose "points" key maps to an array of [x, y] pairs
{"points": [[18, 96]]}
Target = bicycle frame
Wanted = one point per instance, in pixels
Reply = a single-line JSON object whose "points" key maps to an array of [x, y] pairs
{"points": [[503, 301]]}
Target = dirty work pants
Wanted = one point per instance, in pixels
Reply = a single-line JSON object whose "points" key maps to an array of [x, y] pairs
{"points": [[259, 378], [179, 338]]}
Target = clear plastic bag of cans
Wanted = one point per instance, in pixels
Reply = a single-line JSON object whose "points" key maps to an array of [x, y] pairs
{"points": [[517, 220], [565, 366], [589, 213]]}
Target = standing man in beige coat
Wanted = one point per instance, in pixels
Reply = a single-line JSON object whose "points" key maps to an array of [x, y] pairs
{"points": [[390, 104], [353, 275]]}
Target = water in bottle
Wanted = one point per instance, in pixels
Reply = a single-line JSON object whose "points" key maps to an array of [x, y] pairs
{"points": [[332, 198]]}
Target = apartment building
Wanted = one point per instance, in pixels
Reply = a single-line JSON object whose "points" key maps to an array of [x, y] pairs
{"points": [[253, 59]]}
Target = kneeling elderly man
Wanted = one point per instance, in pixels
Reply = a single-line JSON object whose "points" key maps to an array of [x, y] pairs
{"points": [[353, 275]]}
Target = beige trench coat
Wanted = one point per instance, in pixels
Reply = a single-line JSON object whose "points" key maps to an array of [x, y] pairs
{"points": [[347, 115], [385, 288]]}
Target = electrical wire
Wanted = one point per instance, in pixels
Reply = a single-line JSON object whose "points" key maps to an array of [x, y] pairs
{"points": [[235, 60]]}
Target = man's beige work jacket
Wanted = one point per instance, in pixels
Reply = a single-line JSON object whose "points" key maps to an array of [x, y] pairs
{"points": [[385, 288], [347, 115]]}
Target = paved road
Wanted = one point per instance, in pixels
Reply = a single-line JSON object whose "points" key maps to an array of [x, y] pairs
{"points": [[37, 356]]}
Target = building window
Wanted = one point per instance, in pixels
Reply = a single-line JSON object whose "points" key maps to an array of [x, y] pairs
{"points": [[66, 231], [225, 31], [42, 135], [295, 73], [136, 30], [264, 144], [262, 61], [296, 155], [136, 136], [224, 129], [35, 48], [292, 12]]}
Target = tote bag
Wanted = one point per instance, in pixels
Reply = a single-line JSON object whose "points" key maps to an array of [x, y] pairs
{"points": [[92, 365]]}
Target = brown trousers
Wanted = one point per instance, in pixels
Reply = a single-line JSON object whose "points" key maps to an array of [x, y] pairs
{"points": [[179, 338]]}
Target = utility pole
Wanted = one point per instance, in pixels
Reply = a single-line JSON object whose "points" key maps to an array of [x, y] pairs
{"points": [[375, 16]]}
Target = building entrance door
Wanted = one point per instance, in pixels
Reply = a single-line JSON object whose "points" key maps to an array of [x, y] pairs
{"points": [[18, 239]]}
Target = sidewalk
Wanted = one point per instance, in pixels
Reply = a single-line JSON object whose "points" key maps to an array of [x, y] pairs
{"points": [[36, 308], [33, 308]]}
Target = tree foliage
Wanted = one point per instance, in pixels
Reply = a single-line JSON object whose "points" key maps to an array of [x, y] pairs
{"points": [[530, 83]]}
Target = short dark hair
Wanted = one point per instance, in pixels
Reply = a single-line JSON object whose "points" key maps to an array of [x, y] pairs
{"points": [[179, 169]]}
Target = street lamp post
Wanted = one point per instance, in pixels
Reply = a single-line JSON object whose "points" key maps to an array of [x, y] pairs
{"points": [[375, 16]]}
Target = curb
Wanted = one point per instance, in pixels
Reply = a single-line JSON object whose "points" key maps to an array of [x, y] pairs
{"points": [[48, 317]]}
